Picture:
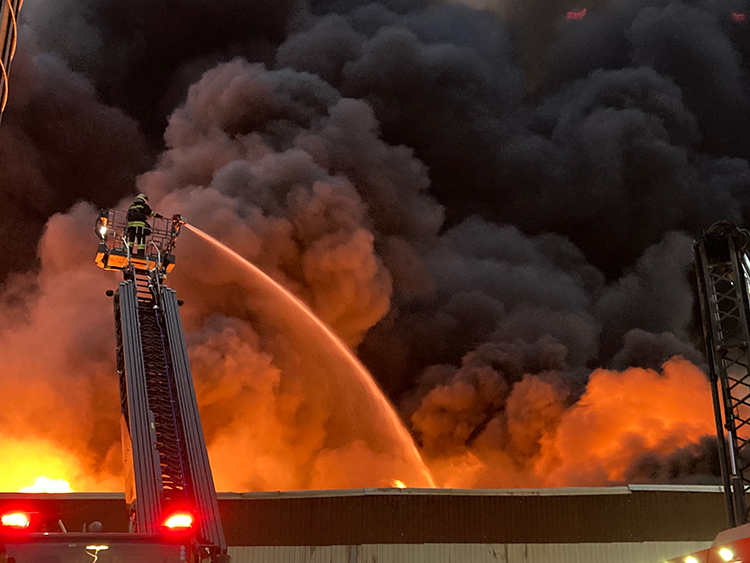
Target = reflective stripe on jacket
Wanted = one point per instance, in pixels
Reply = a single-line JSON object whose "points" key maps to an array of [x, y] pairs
{"points": [[138, 213]]}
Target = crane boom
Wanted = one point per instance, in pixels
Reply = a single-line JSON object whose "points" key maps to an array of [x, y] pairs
{"points": [[723, 271]]}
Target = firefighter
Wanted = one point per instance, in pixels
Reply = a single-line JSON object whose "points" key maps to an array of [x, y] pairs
{"points": [[138, 227]]}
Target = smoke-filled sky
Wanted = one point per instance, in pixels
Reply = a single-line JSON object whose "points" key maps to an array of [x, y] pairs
{"points": [[491, 204]]}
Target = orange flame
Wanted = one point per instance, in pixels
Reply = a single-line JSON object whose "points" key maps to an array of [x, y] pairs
{"points": [[46, 485], [39, 466], [623, 415]]}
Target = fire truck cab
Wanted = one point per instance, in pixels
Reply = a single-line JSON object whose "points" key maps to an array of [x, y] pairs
{"points": [[95, 548], [730, 546]]}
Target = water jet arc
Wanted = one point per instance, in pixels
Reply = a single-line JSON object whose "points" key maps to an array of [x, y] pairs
{"points": [[366, 379]]}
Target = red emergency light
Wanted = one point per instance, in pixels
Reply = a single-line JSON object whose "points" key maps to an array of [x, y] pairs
{"points": [[179, 521], [15, 520], [739, 17], [575, 15]]}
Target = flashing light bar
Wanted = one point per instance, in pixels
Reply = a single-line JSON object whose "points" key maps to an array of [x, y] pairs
{"points": [[179, 521], [17, 520]]}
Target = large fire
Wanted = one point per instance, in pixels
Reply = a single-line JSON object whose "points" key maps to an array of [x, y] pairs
{"points": [[416, 250], [621, 416], [39, 466], [46, 485]]}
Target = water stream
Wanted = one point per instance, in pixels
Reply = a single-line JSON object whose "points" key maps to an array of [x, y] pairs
{"points": [[361, 410]]}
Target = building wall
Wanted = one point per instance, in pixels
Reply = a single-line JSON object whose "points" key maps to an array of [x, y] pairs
{"points": [[426, 516], [624, 552], [635, 524]]}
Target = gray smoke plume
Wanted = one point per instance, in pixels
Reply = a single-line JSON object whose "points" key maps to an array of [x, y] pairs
{"points": [[486, 200]]}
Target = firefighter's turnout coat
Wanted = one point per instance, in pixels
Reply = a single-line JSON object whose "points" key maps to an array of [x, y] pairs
{"points": [[138, 213]]}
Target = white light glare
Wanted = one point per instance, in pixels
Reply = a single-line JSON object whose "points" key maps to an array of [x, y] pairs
{"points": [[103, 230], [15, 520], [97, 547], [726, 554], [690, 559], [179, 520]]}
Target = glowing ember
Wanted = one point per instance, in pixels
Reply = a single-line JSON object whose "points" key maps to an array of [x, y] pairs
{"points": [[359, 402], [45, 485], [575, 15], [398, 484]]}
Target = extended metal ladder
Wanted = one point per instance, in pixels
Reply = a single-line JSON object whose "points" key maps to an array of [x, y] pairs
{"points": [[167, 466]]}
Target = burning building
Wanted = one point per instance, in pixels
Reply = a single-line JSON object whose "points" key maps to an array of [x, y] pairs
{"points": [[513, 268]]}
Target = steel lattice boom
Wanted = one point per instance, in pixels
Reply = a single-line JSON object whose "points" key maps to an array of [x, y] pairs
{"points": [[723, 271]]}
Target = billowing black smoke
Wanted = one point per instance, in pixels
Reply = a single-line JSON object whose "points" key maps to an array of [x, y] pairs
{"points": [[142, 55], [487, 199]]}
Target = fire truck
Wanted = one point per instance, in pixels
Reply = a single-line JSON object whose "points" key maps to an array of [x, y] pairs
{"points": [[171, 502]]}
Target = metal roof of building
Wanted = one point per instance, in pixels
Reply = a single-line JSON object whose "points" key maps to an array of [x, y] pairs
{"points": [[400, 516]]}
